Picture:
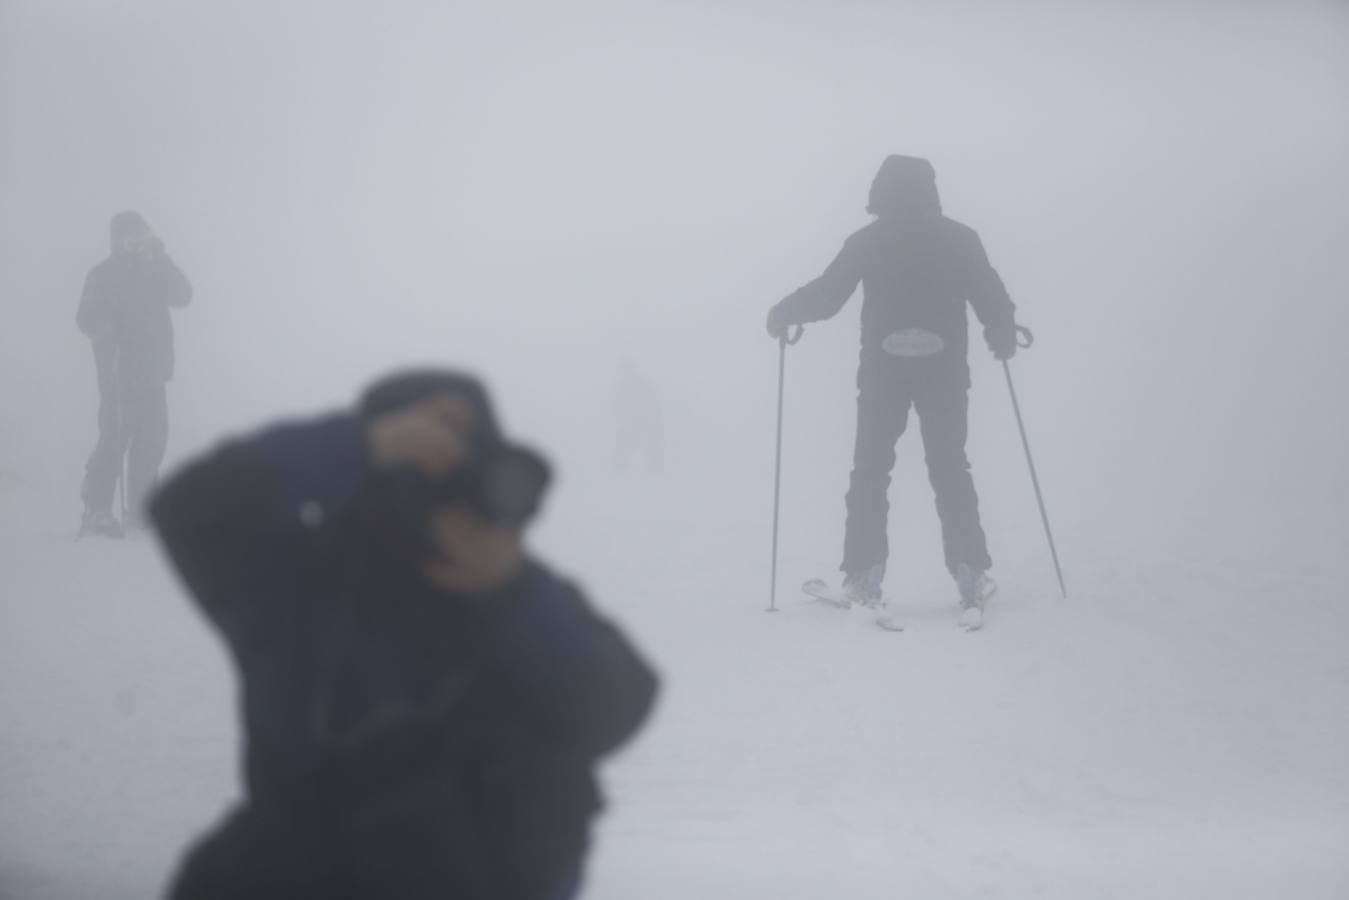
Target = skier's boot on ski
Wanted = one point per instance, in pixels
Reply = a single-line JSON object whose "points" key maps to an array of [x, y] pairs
{"points": [[859, 588], [864, 588], [100, 523], [975, 589]]}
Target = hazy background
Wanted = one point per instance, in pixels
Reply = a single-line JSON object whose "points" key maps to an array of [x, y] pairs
{"points": [[533, 190], [529, 189]]}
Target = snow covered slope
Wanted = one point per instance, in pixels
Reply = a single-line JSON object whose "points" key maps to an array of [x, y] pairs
{"points": [[1176, 729]]}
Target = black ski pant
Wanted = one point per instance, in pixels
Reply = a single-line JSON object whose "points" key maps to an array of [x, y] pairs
{"points": [[887, 389], [133, 431]]}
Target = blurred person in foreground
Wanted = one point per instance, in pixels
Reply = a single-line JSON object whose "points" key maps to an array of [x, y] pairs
{"points": [[918, 269], [423, 702], [124, 310]]}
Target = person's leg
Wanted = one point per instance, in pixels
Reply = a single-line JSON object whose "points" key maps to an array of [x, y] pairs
{"points": [[105, 462], [943, 419], [148, 427], [882, 414]]}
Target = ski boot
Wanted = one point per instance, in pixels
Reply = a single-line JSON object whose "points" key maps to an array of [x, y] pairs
{"points": [[864, 588], [100, 523], [975, 589]]}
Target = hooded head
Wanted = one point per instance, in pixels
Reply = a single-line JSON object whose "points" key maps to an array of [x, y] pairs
{"points": [[501, 481], [128, 224], [904, 188], [402, 389]]}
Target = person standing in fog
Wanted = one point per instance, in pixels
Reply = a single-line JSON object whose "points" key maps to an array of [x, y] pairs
{"points": [[640, 422], [423, 702], [124, 311], [918, 269]]}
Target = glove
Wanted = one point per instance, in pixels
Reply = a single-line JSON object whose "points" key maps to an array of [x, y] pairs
{"points": [[1001, 340], [777, 322]]}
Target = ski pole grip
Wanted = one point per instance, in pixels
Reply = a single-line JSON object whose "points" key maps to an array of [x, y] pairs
{"points": [[1024, 338], [791, 337]]}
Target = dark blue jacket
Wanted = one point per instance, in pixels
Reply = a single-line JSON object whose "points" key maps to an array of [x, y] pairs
{"points": [[400, 741]]}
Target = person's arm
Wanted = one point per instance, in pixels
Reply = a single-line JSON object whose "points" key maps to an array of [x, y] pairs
{"points": [[988, 296], [823, 297], [575, 671], [234, 522], [92, 312], [171, 284]]}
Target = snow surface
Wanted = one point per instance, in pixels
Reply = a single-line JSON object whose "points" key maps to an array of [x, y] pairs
{"points": [[1175, 729]]}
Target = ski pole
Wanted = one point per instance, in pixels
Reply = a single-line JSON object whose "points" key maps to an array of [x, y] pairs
{"points": [[1034, 479], [783, 340], [122, 479]]}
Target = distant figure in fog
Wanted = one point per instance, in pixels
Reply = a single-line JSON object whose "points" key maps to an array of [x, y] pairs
{"points": [[125, 312], [423, 702], [637, 410], [918, 269]]}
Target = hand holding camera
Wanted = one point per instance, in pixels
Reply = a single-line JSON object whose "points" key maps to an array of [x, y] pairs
{"points": [[431, 435], [465, 503]]}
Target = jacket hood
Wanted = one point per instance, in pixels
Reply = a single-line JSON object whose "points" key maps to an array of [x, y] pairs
{"points": [[503, 481], [400, 389], [123, 225], [904, 188]]}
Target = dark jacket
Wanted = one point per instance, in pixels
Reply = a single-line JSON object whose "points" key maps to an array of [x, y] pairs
{"points": [[405, 742], [124, 310], [917, 268]]}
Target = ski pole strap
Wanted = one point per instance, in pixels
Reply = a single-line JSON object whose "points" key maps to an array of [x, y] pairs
{"points": [[791, 337], [1024, 338]]}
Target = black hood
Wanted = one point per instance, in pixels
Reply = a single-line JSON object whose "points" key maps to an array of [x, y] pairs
{"points": [[124, 225], [405, 388], [502, 481], [904, 188]]}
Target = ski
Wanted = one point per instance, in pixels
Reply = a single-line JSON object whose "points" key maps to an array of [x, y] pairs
{"points": [[978, 590], [817, 589], [820, 591], [888, 622]]}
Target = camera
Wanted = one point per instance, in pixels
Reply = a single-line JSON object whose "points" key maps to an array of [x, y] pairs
{"points": [[505, 486]]}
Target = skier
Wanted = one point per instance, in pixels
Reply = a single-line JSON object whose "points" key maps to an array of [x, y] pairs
{"points": [[640, 424], [918, 269], [423, 703], [124, 311]]}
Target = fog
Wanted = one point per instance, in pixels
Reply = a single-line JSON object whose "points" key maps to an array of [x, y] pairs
{"points": [[538, 191]]}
